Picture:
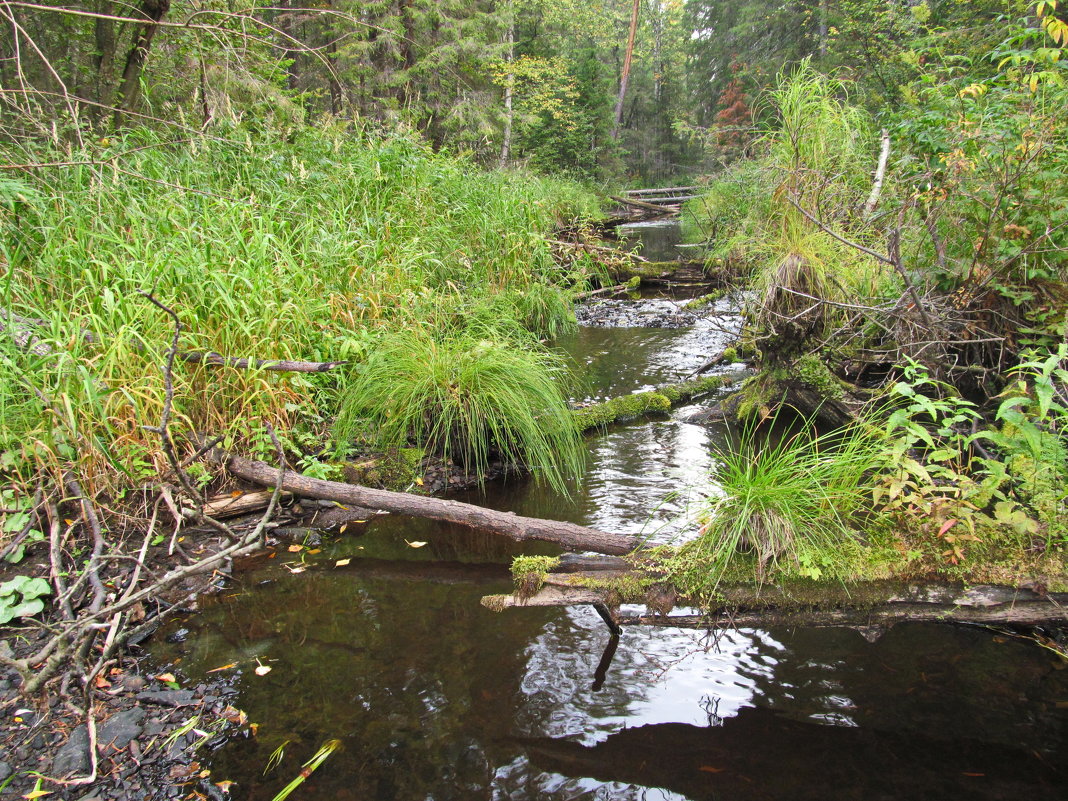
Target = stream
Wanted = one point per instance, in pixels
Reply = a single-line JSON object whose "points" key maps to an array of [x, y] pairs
{"points": [[434, 697]]}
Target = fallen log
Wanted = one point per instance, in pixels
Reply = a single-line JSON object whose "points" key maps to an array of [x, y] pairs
{"points": [[641, 204], [661, 191], [277, 365], [23, 332], [654, 401], [224, 506], [875, 603], [569, 536]]}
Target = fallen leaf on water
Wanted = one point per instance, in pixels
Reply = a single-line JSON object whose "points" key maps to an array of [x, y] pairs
{"points": [[415, 544], [231, 666], [710, 769], [254, 728], [225, 785], [261, 669], [235, 716], [294, 548], [341, 562], [166, 677], [293, 569], [315, 551]]}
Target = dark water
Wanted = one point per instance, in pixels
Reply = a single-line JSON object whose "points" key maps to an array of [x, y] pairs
{"points": [[658, 238], [434, 697]]}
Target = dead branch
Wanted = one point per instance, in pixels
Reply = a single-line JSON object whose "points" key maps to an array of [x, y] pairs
{"points": [[515, 527], [880, 175]]}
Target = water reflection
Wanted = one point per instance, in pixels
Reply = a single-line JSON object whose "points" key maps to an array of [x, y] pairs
{"points": [[435, 697]]}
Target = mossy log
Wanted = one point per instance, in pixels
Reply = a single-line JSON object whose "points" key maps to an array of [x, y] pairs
{"points": [[567, 535], [655, 401], [875, 603]]}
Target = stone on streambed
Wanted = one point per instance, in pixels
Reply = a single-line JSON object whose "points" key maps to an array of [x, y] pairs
{"points": [[116, 732]]}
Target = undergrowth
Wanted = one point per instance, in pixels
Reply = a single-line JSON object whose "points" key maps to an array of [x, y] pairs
{"points": [[311, 249]]}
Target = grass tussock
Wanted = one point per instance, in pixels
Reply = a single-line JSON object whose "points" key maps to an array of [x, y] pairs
{"points": [[790, 505], [465, 397], [311, 249]]}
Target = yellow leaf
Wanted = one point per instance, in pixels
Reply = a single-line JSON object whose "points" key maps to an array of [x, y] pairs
{"points": [[225, 785], [167, 677], [315, 550], [343, 527], [37, 794], [231, 666], [341, 562], [262, 670], [294, 548], [416, 544], [419, 480]]}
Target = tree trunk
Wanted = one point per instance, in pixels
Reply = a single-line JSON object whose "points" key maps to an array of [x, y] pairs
{"points": [[130, 86], [626, 70], [567, 535], [104, 57]]}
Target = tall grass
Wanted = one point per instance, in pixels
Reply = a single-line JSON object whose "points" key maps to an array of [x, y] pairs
{"points": [[820, 154], [310, 249], [791, 503], [463, 396]]}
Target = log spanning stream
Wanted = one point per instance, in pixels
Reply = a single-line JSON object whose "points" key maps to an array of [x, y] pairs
{"points": [[434, 697]]}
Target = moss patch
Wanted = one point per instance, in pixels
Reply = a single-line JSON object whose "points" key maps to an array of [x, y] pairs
{"points": [[811, 371], [659, 400]]}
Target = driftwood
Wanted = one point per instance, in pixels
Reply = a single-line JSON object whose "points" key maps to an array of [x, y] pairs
{"points": [[567, 535], [876, 603], [225, 506], [277, 365]]}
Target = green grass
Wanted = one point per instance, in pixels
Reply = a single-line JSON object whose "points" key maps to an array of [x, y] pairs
{"points": [[788, 505], [308, 249], [464, 395]]}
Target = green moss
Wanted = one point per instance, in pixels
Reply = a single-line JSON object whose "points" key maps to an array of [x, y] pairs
{"points": [[705, 300], [661, 399], [626, 407], [396, 469], [529, 572], [495, 603], [730, 355], [811, 370]]}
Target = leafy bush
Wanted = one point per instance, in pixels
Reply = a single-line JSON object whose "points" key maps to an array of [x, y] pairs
{"points": [[461, 396]]}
